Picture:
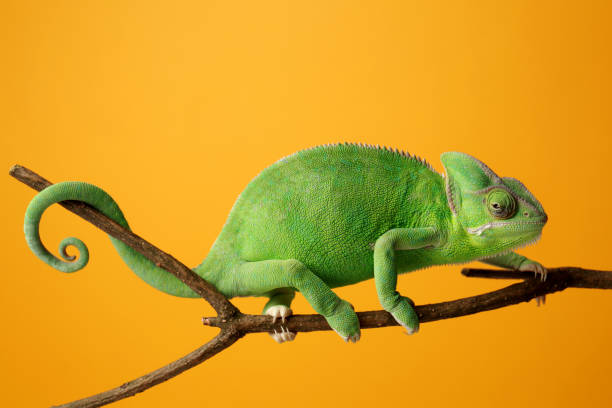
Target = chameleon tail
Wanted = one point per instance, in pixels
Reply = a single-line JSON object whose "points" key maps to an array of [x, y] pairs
{"points": [[99, 199]]}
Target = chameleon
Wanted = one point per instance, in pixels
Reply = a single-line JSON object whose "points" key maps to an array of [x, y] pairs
{"points": [[334, 215]]}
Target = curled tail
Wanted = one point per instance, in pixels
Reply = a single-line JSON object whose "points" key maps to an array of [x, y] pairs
{"points": [[99, 199]]}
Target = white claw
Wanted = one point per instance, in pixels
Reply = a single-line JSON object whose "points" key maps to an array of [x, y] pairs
{"points": [[353, 339], [279, 311], [409, 330], [285, 312], [536, 268], [283, 336]]}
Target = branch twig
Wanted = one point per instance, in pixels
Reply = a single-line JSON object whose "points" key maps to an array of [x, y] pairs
{"points": [[234, 324], [225, 339]]}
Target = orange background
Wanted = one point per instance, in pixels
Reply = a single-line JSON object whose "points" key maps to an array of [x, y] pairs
{"points": [[173, 108]]}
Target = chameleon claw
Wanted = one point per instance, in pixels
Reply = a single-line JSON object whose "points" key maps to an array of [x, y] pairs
{"points": [[539, 274], [276, 336], [409, 330], [283, 312], [283, 336], [541, 271], [540, 300], [351, 339], [279, 311]]}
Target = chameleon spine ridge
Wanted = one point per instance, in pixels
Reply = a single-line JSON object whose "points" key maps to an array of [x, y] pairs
{"points": [[361, 145]]}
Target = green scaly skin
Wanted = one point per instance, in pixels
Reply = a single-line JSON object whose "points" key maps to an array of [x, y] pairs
{"points": [[332, 216]]}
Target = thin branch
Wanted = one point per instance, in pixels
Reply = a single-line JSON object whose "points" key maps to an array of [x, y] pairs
{"points": [[222, 306], [225, 339], [574, 277], [234, 324], [558, 279]]}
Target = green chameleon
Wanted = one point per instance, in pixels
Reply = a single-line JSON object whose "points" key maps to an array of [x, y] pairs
{"points": [[332, 216]]}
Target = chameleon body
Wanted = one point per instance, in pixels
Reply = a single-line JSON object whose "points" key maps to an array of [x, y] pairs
{"points": [[335, 215]]}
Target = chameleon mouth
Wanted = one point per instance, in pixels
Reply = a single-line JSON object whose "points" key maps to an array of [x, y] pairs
{"points": [[538, 224]]}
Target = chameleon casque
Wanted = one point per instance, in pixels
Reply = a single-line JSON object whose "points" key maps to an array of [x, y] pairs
{"points": [[332, 216]]}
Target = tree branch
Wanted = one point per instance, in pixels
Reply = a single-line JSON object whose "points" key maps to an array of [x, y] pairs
{"points": [[223, 340], [234, 324], [558, 279], [219, 302]]}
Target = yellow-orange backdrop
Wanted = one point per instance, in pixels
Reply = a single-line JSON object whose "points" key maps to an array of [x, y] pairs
{"points": [[173, 107]]}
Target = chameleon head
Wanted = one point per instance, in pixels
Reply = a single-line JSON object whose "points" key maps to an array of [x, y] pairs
{"points": [[497, 213]]}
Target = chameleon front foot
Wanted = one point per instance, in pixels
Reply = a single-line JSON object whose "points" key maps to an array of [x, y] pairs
{"points": [[532, 266]]}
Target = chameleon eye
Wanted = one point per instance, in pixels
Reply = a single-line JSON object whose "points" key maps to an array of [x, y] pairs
{"points": [[501, 204]]}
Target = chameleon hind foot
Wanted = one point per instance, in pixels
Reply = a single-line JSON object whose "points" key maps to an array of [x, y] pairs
{"points": [[405, 315], [351, 339], [344, 321], [283, 336], [268, 276], [277, 311], [283, 312]]}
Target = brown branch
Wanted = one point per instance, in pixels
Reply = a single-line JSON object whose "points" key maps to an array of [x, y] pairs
{"points": [[225, 339], [558, 279], [219, 302], [234, 324], [574, 277]]}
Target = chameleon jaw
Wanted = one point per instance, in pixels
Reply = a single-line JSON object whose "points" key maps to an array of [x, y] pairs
{"points": [[495, 224]]}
